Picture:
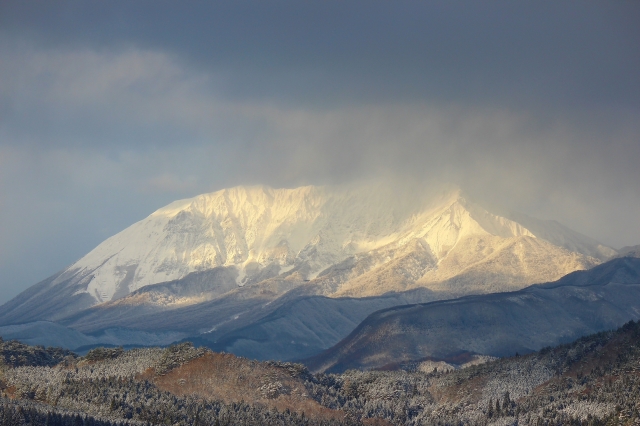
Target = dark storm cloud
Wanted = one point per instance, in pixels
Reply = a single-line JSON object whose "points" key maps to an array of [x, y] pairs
{"points": [[110, 109], [333, 51]]}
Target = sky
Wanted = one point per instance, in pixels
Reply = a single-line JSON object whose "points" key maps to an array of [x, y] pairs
{"points": [[111, 109]]}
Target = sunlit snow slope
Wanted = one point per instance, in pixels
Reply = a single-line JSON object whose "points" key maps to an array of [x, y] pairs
{"points": [[250, 228], [337, 241]]}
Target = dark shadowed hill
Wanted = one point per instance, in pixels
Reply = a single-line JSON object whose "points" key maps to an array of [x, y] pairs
{"points": [[499, 324]]}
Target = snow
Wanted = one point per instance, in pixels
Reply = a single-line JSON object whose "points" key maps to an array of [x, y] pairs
{"points": [[319, 226]]}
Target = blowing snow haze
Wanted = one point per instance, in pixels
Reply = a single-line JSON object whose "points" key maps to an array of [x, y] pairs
{"points": [[111, 110]]}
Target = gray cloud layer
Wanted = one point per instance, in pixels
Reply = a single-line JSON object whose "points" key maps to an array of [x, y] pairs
{"points": [[109, 110]]}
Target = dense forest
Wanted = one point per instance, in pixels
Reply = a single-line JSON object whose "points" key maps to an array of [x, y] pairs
{"points": [[593, 381]]}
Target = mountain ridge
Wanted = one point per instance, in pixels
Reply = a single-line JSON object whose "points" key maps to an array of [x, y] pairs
{"points": [[257, 227], [228, 259], [497, 324]]}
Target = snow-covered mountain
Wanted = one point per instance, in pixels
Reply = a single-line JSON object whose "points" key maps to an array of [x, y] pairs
{"points": [[336, 241], [249, 229]]}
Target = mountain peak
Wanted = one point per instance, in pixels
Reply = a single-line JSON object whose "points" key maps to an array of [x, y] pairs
{"points": [[257, 226], [411, 236]]}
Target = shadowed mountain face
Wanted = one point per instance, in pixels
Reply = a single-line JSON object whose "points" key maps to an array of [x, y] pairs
{"points": [[496, 324], [304, 326], [290, 327]]}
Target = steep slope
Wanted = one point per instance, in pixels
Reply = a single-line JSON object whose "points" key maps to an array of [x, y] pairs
{"points": [[496, 324], [351, 241], [303, 326], [561, 236]]}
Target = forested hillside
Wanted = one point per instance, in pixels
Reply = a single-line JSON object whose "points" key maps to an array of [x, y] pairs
{"points": [[595, 380]]}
